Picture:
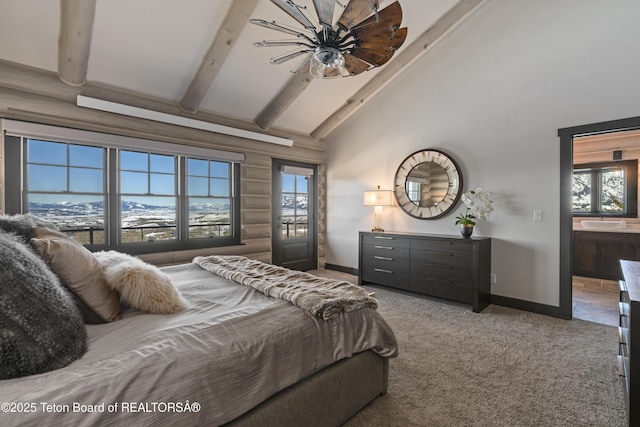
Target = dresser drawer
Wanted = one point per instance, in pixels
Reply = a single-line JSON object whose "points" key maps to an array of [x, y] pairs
{"points": [[397, 265], [385, 277], [448, 246], [452, 259], [624, 292], [624, 322], [623, 335], [373, 252], [386, 240], [441, 271], [442, 288], [621, 366]]}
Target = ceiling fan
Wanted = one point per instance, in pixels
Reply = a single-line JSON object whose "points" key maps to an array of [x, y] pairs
{"points": [[362, 38]]}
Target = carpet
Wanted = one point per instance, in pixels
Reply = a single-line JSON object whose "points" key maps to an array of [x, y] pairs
{"points": [[501, 367]]}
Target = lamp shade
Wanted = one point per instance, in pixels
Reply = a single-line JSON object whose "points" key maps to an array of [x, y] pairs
{"points": [[378, 198]]}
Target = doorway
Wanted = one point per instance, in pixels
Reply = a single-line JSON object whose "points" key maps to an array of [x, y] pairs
{"points": [[294, 218], [567, 136], [605, 193]]}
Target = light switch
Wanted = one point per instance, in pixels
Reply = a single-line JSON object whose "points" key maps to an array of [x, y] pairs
{"points": [[537, 215]]}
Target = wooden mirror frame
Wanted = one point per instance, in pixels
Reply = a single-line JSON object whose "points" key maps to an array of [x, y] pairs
{"points": [[454, 190]]}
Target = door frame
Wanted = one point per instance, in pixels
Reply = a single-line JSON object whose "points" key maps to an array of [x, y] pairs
{"points": [[312, 213], [566, 217]]}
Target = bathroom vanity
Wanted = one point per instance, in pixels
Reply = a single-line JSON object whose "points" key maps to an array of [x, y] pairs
{"points": [[597, 253]]}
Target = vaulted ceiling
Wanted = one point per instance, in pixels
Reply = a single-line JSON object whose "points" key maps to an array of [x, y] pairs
{"points": [[199, 55]]}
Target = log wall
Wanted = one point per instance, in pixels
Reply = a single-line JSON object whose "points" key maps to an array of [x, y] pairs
{"points": [[40, 97]]}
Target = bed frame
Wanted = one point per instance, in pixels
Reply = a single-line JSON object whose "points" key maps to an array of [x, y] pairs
{"points": [[328, 398]]}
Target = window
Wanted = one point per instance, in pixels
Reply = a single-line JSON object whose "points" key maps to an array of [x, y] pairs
{"points": [[131, 200], [210, 203], [148, 197], [295, 203], [414, 190], [606, 189], [65, 183]]}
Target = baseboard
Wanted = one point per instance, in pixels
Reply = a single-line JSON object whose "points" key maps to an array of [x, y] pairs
{"points": [[533, 307], [518, 304], [342, 269]]}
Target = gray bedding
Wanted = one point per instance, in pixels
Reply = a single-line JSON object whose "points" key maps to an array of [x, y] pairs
{"points": [[233, 349]]}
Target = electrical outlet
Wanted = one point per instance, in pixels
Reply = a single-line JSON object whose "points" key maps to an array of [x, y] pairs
{"points": [[492, 279], [537, 215]]}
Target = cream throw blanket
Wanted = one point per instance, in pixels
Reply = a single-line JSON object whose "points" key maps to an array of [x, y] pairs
{"points": [[323, 297]]}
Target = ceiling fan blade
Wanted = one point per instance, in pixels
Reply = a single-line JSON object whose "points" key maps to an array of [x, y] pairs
{"points": [[292, 10], [324, 9], [355, 65], [371, 57], [384, 42], [288, 56], [389, 19], [276, 43], [356, 11], [273, 25], [331, 73]]}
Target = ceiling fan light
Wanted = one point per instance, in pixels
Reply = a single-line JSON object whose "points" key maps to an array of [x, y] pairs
{"points": [[326, 62]]}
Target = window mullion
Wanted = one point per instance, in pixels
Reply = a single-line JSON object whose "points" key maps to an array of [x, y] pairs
{"points": [[68, 169], [112, 221], [595, 191], [182, 208]]}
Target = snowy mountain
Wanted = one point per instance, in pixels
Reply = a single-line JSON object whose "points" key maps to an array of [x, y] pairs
{"points": [[87, 208], [66, 209], [289, 201]]}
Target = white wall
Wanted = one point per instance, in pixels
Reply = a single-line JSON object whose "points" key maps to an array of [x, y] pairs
{"points": [[492, 94]]}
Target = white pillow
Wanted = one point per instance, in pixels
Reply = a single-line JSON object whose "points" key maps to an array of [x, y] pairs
{"points": [[139, 284], [80, 272]]}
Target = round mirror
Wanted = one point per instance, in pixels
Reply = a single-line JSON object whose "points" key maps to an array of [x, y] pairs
{"points": [[428, 184]]}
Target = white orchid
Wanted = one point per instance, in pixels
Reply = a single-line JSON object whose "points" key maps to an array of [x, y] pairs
{"points": [[479, 206]]}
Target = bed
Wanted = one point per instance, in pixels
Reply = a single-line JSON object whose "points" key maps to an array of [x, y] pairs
{"points": [[234, 356]]}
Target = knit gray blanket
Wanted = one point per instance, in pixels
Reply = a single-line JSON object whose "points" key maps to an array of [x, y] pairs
{"points": [[324, 298]]}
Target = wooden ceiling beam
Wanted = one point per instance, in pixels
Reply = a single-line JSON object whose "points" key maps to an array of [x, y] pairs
{"points": [[297, 83], [236, 18], [74, 41], [396, 65]]}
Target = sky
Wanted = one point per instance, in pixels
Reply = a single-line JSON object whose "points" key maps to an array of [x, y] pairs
{"points": [[144, 177]]}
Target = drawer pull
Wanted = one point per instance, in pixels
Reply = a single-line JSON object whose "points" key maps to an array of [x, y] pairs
{"points": [[439, 253], [430, 265], [383, 237], [383, 247], [448, 282], [380, 270], [383, 258]]}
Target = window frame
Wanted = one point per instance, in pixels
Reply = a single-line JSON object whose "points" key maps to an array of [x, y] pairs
{"points": [[631, 188], [16, 195]]}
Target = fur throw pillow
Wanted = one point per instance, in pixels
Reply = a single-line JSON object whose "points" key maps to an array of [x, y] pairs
{"points": [[40, 327], [24, 225], [139, 284]]}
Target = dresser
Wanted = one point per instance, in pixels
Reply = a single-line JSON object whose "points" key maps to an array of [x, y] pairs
{"points": [[629, 337], [450, 267]]}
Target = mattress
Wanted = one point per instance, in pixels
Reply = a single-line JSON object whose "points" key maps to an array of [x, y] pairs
{"points": [[231, 350]]}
